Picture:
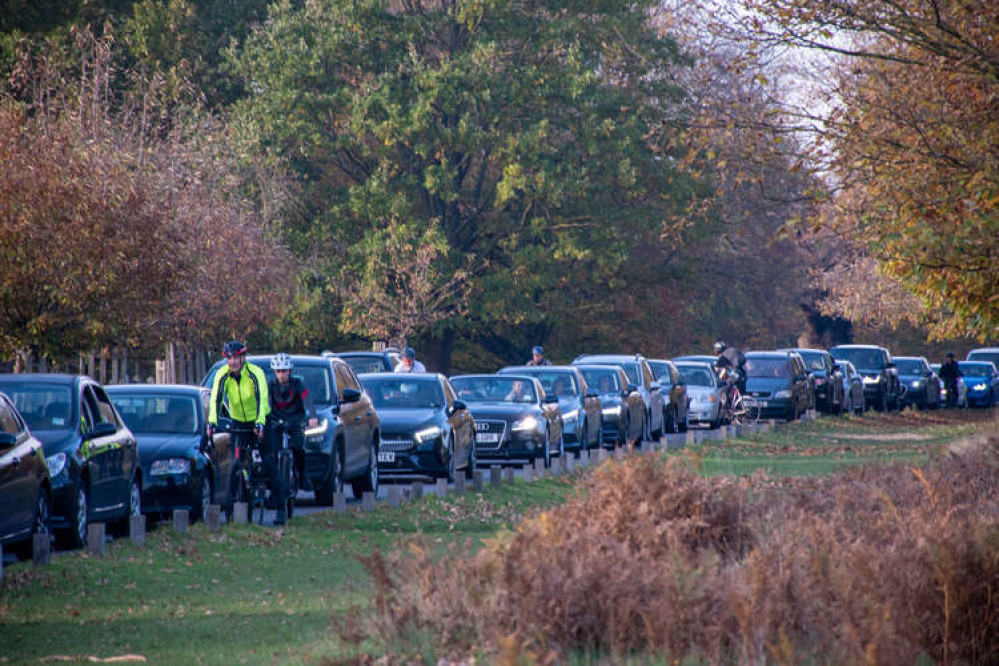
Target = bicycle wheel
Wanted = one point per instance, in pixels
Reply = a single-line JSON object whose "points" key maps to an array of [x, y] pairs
{"points": [[738, 410], [753, 413], [288, 474]]}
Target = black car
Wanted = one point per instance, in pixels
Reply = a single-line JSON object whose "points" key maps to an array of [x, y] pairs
{"points": [[580, 405], [882, 389], [515, 422], [622, 411], [90, 452], [922, 386], [344, 446], [642, 380], [184, 469], [426, 429], [368, 361], [674, 391], [777, 383], [25, 487], [827, 379]]}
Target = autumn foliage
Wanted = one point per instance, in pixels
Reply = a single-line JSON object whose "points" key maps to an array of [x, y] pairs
{"points": [[874, 565]]}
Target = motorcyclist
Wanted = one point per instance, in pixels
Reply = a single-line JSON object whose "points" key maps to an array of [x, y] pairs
{"points": [[731, 367], [243, 387], [290, 406], [949, 372]]}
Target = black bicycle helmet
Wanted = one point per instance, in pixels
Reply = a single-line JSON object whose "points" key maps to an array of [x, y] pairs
{"points": [[234, 348], [720, 347]]}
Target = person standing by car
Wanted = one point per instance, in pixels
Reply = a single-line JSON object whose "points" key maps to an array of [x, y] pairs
{"points": [[290, 405], [949, 372], [243, 385], [538, 357], [408, 362]]}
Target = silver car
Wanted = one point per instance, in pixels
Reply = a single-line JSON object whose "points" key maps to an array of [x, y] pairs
{"points": [[853, 388], [705, 392]]}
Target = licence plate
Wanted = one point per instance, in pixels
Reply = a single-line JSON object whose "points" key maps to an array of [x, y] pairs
{"points": [[753, 402], [386, 456], [487, 437]]}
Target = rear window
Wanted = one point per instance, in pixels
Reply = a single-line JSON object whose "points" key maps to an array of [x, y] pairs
{"points": [[364, 364]]}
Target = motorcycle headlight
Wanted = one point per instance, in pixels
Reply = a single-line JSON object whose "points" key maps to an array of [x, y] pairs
{"points": [[782, 394], [56, 464], [320, 429], [169, 466], [427, 434], [526, 423]]}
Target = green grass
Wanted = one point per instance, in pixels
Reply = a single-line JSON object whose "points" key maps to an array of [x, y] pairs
{"points": [[252, 595]]}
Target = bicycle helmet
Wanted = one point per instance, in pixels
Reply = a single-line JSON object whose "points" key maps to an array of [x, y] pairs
{"points": [[539, 350], [408, 353], [720, 347], [281, 362], [234, 348]]}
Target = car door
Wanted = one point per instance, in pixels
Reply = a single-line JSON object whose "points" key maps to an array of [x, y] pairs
{"points": [[354, 428], [656, 401], [19, 472], [799, 382], [218, 449], [591, 407], [462, 424], [635, 405], [104, 449]]}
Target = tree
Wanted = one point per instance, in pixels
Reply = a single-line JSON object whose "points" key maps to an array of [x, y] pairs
{"points": [[536, 135]]}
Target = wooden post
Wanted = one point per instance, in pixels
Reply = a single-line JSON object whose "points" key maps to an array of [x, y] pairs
{"points": [[137, 530], [508, 475], [240, 513], [459, 484], [418, 490], [568, 462], [41, 550], [95, 539], [339, 503], [442, 488], [528, 474], [478, 481], [213, 517], [495, 476], [394, 495], [601, 455], [367, 501], [181, 520], [539, 466]]}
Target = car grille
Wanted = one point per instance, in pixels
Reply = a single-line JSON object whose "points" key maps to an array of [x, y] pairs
{"points": [[492, 428], [759, 394], [395, 444]]}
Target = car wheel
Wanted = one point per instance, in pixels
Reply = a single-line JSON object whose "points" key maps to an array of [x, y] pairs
{"points": [[333, 483], [77, 534], [236, 493], [368, 482], [600, 437], [548, 449], [41, 523], [472, 462], [134, 507], [450, 460], [205, 499]]}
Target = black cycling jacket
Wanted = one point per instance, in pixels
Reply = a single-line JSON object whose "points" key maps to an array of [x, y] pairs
{"points": [[290, 400]]}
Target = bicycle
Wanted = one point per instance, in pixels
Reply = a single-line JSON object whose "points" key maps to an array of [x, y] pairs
{"points": [[257, 480], [740, 410]]}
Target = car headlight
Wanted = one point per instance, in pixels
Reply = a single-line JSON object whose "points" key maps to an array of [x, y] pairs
{"points": [[613, 412], [527, 423], [979, 387], [782, 394], [169, 466], [872, 380], [56, 464], [427, 434], [320, 429], [917, 383]]}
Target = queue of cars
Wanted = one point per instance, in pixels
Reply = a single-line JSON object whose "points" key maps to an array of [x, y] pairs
{"points": [[73, 452]]}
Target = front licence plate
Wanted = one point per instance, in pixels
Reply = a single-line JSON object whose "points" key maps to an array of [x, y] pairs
{"points": [[487, 437], [386, 456], [754, 402]]}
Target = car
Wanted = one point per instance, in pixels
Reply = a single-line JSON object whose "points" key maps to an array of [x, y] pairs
{"points": [[368, 361], [882, 389], [696, 358], [25, 486], [184, 468], [922, 385], [705, 391], [982, 381], [343, 448], [674, 392], [986, 354], [90, 452], [426, 429], [644, 382], [827, 381], [853, 387], [515, 421], [777, 383], [580, 405], [622, 411], [962, 389]]}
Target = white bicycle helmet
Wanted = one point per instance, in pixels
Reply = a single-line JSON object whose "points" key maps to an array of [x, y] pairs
{"points": [[281, 362]]}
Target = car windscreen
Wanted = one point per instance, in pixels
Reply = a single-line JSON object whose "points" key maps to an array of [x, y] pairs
{"points": [[317, 378], [871, 359], [968, 369], [494, 389], [158, 413], [697, 376], [605, 381], [813, 360], [909, 366], [767, 367], [362, 364], [561, 384], [43, 406], [403, 392]]}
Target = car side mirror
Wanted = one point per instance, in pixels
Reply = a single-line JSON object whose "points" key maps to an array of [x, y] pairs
{"points": [[350, 395], [592, 393], [7, 441], [549, 399], [655, 386], [456, 406], [103, 429], [891, 364], [630, 388]]}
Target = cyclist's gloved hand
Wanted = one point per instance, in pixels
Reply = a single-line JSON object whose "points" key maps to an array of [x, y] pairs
{"points": [[259, 430]]}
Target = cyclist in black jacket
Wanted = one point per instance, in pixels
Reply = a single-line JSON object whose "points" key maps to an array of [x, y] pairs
{"points": [[291, 405]]}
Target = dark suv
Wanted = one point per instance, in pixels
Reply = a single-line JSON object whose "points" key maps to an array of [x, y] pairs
{"points": [[882, 389], [826, 377], [344, 446]]}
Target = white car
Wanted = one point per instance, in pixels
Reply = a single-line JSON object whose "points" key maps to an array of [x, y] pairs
{"points": [[704, 390]]}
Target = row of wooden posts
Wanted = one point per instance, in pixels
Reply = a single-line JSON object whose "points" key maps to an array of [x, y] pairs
{"points": [[397, 494]]}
